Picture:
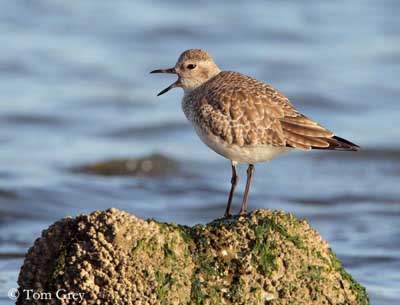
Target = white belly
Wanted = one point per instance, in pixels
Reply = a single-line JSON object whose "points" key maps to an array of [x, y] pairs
{"points": [[246, 154]]}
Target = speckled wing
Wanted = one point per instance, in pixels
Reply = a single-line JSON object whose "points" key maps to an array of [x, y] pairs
{"points": [[246, 112]]}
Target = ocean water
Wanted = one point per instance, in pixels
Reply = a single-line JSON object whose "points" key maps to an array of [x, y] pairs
{"points": [[75, 89]]}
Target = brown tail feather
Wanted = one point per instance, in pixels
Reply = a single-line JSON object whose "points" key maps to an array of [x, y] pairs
{"points": [[306, 130], [304, 142], [337, 143]]}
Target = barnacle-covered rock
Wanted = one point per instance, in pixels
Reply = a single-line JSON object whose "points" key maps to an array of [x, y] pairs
{"points": [[112, 257]]}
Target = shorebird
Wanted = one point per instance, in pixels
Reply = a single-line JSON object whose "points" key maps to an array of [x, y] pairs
{"points": [[244, 119]]}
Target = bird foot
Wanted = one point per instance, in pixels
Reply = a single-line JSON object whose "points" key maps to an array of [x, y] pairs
{"points": [[243, 213]]}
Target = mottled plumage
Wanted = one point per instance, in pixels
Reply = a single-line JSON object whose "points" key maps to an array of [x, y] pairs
{"points": [[246, 112], [243, 119]]}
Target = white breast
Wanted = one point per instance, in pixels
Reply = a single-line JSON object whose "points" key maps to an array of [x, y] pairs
{"points": [[245, 154]]}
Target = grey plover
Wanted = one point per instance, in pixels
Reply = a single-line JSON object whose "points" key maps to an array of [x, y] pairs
{"points": [[243, 119]]}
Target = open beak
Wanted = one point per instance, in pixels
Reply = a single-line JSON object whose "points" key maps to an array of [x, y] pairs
{"points": [[170, 71]]}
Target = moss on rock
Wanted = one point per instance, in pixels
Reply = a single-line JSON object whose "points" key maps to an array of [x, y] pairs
{"points": [[268, 257]]}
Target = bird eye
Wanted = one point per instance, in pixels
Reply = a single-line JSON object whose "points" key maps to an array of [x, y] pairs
{"points": [[191, 66]]}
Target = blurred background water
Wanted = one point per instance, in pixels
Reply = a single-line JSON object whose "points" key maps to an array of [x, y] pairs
{"points": [[75, 90]]}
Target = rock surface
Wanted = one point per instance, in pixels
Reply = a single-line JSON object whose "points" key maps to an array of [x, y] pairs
{"points": [[268, 257], [155, 165]]}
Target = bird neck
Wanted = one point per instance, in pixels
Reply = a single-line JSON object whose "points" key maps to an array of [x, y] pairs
{"points": [[191, 84]]}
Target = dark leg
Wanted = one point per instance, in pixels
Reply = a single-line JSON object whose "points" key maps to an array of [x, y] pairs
{"points": [[234, 181], [250, 173]]}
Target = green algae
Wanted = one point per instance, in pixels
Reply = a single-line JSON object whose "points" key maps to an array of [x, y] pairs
{"points": [[315, 273], [139, 246], [196, 295], [267, 260], [165, 282], [360, 291], [59, 265]]}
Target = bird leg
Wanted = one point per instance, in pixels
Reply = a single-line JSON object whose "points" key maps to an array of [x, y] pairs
{"points": [[234, 181], [250, 173]]}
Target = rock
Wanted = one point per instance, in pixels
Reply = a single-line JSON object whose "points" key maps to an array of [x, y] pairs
{"points": [[155, 165], [268, 258]]}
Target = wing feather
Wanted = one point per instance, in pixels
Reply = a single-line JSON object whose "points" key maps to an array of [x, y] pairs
{"points": [[246, 112]]}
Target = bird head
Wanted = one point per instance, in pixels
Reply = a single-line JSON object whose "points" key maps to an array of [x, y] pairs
{"points": [[194, 67]]}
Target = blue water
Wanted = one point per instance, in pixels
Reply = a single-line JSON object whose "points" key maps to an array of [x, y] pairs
{"points": [[75, 89]]}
